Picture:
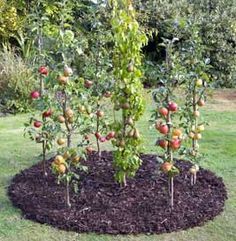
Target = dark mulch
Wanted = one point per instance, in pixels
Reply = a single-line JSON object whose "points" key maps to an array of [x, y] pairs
{"points": [[103, 207]]}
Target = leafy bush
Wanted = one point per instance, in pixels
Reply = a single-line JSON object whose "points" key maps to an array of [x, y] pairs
{"points": [[217, 28], [16, 82]]}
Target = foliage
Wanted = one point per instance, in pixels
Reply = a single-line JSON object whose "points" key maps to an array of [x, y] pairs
{"points": [[17, 80], [10, 21], [216, 21], [128, 40]]}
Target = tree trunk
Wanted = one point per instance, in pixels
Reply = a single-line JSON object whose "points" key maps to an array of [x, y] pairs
{"points": [[68, 195], [44, 158]]}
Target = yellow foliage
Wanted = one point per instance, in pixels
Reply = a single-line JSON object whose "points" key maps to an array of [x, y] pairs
{"points": [[10, 22]]}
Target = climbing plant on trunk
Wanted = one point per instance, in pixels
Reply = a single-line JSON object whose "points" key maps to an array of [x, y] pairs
{"points": [[128, 41]]}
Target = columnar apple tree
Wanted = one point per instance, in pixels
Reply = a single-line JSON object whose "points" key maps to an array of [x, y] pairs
{"points": [[167, 108], [196, 86], [128, 41]]}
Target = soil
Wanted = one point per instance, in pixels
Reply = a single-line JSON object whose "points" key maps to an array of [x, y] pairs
{"points": [[102, 206]]}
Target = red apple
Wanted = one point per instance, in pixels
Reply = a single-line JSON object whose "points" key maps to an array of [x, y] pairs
{"points": [[172, 106], [163, 129], [175, 144], [110, 135], [162, 143], [47, 113], [98, 135], [201, 102], [89, 150], [43, 70], [35, 94], [88, 84], [102, 139], [100, 113], [107, 94], [166, 167], [37, 124], [163, 111]]}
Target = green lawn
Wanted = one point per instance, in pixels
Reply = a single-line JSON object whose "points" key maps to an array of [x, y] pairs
{"points": [[219, 143]]}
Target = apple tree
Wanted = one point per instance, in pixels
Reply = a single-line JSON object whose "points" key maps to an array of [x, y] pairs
{"points": [[164, 116], [196, 80]]}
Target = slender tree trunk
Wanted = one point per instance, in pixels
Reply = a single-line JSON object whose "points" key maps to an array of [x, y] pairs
{"points": [[40, 46], [171, 192], [97, 129], [44, 158], [68, 195]]}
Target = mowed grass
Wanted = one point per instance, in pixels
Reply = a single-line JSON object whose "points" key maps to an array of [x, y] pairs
{"points": [[219, 143]]}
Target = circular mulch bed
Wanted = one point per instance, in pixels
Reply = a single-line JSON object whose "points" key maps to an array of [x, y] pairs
{"points": [[102, 206]]}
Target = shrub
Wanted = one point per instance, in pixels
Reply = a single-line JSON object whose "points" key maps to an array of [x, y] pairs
{"points": [[216, 22], [16, 82]]}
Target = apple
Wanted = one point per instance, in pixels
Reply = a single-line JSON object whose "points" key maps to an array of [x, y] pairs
{"points": [[198, 136], [162, 143], [69, 113], [200, 128], [163, 111], [191, 134], [61, 119], [163, 129], [43, 70], [100, 113], [110, 135], [136, 134], [47, 113], [81, 109], [201, 103], [107, 94], [67, 71], [98, 135], [125, 106], [172, 106], [37, 124], [130, 67], [129, 121], [63, 80], [175, 144], [61, 141], [196, 113], [61, 168], [102, 139], [88, 84], [35, 94], [199, 82], [177, 132], [76, 159], [66, 155], [89, 149], [86, 137], [59, 160], [166, 167], [193, 170]]}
